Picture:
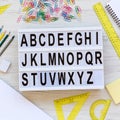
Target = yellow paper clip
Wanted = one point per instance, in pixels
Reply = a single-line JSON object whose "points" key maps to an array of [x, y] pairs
{"points": [[78, 99]]}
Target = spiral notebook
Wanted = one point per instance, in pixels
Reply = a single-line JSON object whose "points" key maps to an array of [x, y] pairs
{"points": [[113, 7]]}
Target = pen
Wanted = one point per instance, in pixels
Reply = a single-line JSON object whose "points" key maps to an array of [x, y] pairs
{"points": [[5, 38], [1, 28], [7, 45], [2, 35]]}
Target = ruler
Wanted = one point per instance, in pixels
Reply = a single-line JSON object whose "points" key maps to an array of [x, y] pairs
{"points": [[108, 27], [78, 99], [105, 103]]}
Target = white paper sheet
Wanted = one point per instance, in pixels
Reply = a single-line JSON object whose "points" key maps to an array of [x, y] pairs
{"points": [[13, 106]]}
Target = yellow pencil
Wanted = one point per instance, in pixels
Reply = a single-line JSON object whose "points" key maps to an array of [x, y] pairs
{"points": [[2, 35]]}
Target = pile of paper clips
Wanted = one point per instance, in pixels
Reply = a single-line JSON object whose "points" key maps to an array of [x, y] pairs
{"points": [[49, 10]]}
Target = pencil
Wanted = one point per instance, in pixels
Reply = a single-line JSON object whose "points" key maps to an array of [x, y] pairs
{"points": [[4, 39], [7, 45], [1, 28], [2, 35]]}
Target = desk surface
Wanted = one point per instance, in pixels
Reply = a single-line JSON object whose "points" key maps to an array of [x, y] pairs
{"points": [[44, 99]]}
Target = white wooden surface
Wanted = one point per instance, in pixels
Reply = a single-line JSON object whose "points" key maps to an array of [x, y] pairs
{"points": [[44, 99]]}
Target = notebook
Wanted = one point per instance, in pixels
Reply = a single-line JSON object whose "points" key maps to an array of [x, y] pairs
{"points": [[13, 106], [113, 7]]}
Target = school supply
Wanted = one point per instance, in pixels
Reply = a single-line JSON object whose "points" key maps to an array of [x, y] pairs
{"points": [[105, 103], [44, 11], [13, 106], [2, 35], [4, 65], [7, 45], [4, 8], [108, 27], [113, 7], [113, 89], [1, 28], [4, 39], [78, 99]]}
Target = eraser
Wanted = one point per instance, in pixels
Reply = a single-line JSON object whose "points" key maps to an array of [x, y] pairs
{"points": [[114, 90], [4, 65]]}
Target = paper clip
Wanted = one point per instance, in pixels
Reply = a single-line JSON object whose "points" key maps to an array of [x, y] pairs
{"points": [[78, 10], [19, 19]]}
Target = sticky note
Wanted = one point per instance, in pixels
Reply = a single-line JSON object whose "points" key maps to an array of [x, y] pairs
{"points": [[114, 90], [4, 65]]}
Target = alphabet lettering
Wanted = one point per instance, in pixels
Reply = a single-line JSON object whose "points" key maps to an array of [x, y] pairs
{"points": [[61, 58], [71, 78], [33, 60], [80, 76], [52, 78], [33, 41], [41, 43], [89, 78], [51, 39], [69, 37], [61, 77], [25, 62], [34, 79], [24, 79], [24, 41], [78, 40], [87, 38], [89, 58], [60, 39]]}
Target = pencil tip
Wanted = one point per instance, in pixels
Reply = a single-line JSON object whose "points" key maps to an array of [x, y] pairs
{"points": [[13, 37]]}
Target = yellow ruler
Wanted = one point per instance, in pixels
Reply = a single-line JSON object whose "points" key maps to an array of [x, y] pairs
{"points": [[78, 99], [105, 103], [108, 27]]}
